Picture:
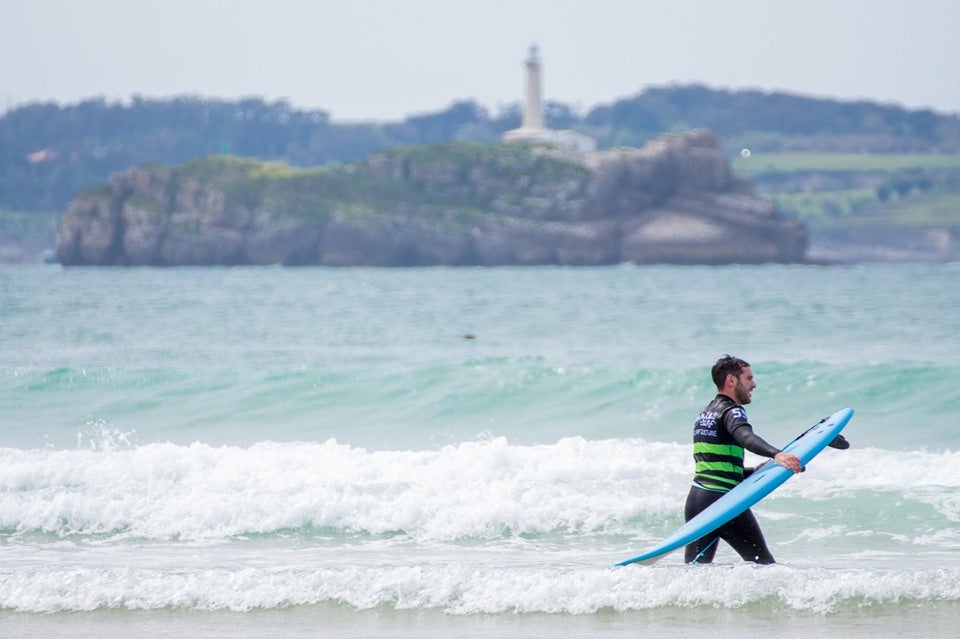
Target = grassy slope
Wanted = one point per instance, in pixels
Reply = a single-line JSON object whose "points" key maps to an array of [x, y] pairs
{"points": [[760, 163], [836, 209]]}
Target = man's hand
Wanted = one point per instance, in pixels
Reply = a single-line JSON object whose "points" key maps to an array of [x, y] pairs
{"points": [[789, 461]]}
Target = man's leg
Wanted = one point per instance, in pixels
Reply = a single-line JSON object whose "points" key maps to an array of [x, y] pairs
{"points": [[702, 550], [744, 535]]}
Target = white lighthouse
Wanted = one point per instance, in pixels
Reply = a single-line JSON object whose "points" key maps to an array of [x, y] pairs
{"points": [[532, 104], [533, 128]]}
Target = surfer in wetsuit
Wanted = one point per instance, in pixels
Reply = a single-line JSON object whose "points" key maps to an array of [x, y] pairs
{"points": [[720, 435]]}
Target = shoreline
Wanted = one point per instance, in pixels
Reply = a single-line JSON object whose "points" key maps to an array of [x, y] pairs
{"points": [[869, 622]]}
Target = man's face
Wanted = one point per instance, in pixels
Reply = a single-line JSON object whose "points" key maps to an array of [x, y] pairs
{"points": [[744, 387]]}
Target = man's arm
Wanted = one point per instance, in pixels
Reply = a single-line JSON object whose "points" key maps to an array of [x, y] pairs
{"points": [[743, 433]]}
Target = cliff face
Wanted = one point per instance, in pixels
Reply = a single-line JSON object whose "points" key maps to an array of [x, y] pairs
{"points": [[675, 200]]}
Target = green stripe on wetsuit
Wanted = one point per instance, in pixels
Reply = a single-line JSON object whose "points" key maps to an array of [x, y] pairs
{"points": [[718, 466]]}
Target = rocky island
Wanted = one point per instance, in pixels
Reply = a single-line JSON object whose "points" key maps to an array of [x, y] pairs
{"points": [[675, 200]]}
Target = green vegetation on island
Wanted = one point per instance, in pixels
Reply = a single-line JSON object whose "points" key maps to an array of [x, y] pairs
{"points": [[434, 179]]}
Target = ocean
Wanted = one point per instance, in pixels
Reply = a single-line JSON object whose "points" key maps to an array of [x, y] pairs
{"points": [[444, 452]]}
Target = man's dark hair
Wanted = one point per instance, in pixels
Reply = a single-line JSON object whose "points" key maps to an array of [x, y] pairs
{"points": [[726, 365]]}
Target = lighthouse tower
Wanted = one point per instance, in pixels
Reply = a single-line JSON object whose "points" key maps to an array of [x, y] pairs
{"points": [[533, 128], [532, 104]]}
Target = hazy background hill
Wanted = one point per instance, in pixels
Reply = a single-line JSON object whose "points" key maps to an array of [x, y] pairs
{"points": [[847, 168]]}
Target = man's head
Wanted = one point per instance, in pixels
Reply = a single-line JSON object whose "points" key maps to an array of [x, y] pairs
{"points": [[733, 378]]}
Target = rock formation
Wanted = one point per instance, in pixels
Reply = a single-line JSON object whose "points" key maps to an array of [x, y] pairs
{"points": [[676, 200]]}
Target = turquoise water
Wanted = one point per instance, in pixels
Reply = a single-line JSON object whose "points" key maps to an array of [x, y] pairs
{"points": [[429, 445]]}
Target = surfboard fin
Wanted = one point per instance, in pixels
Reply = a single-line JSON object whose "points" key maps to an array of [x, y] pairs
{"points": [[839, 442]]}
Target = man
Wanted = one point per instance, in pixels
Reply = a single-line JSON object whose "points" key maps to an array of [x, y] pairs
{"points": [[720, 435]]}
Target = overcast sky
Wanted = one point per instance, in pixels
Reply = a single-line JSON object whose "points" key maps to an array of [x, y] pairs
{"points": [[387, 59]]}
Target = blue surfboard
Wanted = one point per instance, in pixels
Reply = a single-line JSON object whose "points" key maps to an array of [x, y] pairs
{"points": [[758, 485]]}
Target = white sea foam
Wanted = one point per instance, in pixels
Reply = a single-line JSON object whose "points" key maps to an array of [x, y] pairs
{"points": [[478, 527], [485, 489], [479, 489], [466, 589]]}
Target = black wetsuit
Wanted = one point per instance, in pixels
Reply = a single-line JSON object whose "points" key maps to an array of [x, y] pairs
{"points": [[720, 435]]}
